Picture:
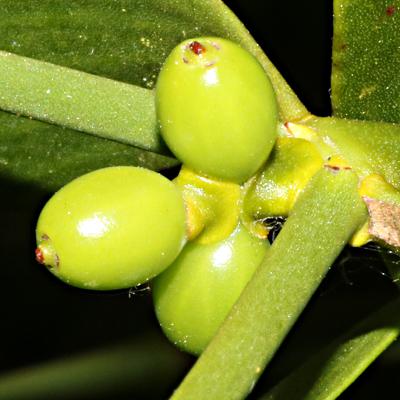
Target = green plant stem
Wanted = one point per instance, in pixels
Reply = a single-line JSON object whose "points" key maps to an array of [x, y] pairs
{"points": [[326, 375], [369, 147], [323, 219], [75, 99], [100, 374]]}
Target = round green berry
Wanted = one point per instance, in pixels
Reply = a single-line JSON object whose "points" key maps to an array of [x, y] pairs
{"points": [[112, 228], [216, 108], [194, 295]]}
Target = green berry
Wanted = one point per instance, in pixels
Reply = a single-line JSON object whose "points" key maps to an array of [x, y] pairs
{"points": [[112, 228], [194, 295], [216, 108]]}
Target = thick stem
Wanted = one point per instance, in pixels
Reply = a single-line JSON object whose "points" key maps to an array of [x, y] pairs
{"points": [[212, 206], [322, 221], [369, 147], [75, 99]]}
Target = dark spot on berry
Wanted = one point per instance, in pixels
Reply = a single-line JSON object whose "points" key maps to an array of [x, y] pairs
{"points": [[39, 255], [197, 48], [390, 11], [288, 130], [335, 168], [332, 167]]}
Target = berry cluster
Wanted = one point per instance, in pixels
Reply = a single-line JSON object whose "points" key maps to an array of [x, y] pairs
{"points": [[121, 226]]}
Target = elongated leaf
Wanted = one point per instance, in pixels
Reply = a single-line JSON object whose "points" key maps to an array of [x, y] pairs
{"points": [[122, 40], [293, 268], [102, 374], [366, 85], [366, 60], [354, 289], [330, 372], [125, 40], [74, 99], [47, 156]]}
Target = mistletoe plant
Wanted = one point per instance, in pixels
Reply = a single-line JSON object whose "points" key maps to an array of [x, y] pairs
{"points": [[252, 153]]}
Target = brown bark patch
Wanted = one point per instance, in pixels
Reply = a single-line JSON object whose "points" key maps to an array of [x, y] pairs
{"points": [[384, 220]]}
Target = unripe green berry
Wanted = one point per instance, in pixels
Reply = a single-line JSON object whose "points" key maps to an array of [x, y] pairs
{"points": [[112, 228], [194, 295], [216, 108]]}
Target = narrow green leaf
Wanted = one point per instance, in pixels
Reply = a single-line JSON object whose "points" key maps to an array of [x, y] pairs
{"points": [[81, 101], [329, 209], [101, 374], [38, 153], [366, 60], [326, 375], [123, 40], [366, 85], [126, 40]]}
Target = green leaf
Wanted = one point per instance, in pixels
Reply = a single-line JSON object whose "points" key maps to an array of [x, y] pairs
{"points": [[101, 374], [123, 40], [326, 375], [74, 99], [354, 289], [366, 86], [366, 60], [366, 69], [38, 153], [329, 207]]}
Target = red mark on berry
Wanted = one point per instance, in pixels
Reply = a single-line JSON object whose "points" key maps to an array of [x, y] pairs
{"points": [[333, 167], [39, 255], [336, 168], [390, 11], [197, 48], [288, 130]]}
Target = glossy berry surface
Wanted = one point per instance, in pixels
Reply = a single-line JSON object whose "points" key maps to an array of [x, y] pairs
{"points": [[216, 108], [112, 228], [194, 295]]}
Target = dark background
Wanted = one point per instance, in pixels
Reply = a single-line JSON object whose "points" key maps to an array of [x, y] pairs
{"points": [[43, 319], [296, 36]]}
